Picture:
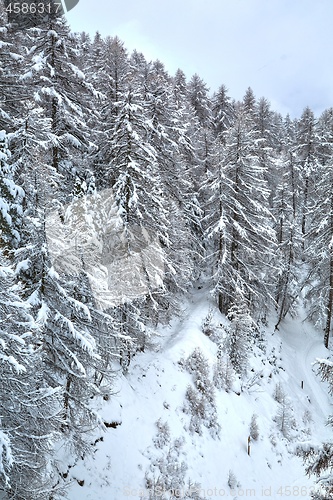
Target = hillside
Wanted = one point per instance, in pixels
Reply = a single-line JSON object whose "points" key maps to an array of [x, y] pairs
{"points": [[153, 442]]}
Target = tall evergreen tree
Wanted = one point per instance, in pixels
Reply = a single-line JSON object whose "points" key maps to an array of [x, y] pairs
{"points": [[109, 73], [29, 408], [246, 241], [288, 236], [202, 132], [11, 198], [307, 142], [223, 112], [319, 237], [61, 90]]}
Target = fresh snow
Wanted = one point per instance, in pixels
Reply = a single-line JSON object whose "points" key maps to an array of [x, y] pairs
{"points": [[155, 389]]}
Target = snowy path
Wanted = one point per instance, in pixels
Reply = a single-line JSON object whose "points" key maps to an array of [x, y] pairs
{"points": [[191, 318], [301, 346]]}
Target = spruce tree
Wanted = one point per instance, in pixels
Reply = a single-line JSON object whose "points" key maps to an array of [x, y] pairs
{"points": [[30, 409], [11, 198], [319, 224], [243, 225], [285, 207], [61, 90], [307, 141]]}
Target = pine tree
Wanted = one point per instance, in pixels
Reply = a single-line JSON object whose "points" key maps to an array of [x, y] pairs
{"points": [[320, 463], [288, 236], [12, 90], [188, 166], [202, 130], [29, 408], [307, 159], [319, 251], [223, 113], [138, 206], [249, 102], [242, 226], [269, 142], [109, 72], [71, 363], [11, 198], [62, 91], [166, 134]]}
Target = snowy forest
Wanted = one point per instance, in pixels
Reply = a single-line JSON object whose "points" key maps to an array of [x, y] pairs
{"points": [[123, 188]]}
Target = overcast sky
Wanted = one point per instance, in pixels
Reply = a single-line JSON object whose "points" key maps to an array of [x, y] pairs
{"points": [[283, 49]]}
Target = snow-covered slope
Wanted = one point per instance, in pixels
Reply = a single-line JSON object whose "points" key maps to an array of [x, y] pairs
{"points": [[150, 444]]}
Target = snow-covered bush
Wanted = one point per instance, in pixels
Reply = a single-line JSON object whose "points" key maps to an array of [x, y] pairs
{"points": [[166, 477], [202, 408], [284, 418], [239, 335], [279, 394], [208, 327], [254, 428], [232, 481], [162, 437], [307, 417], [197, 364], [200, 399], [224, 373], [195, 406]]}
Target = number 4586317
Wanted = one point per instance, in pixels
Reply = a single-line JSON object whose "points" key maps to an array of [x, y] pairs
{"points": [[33, 8]]}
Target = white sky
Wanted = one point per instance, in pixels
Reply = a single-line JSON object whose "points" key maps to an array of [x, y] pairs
{"points": [[281, 48]]}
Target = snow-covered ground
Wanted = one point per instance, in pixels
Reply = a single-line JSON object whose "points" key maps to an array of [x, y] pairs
{"points": [[134, 453]]}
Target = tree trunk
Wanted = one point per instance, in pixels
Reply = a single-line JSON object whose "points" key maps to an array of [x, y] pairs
{"points": [[329, 305], [66, 399], [235, 243], [330, 294], [220, 297], [305, 206], [55, 149]]}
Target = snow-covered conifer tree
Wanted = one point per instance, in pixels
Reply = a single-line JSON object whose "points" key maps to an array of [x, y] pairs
{"points": [[11, 198], [307, 141], [29, 408], [61, 90], [108, 70], [223, 112], [288, 235], [202, 132], [240, 220]]}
